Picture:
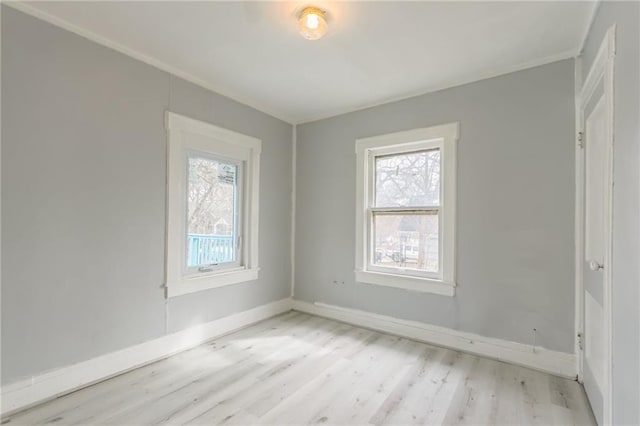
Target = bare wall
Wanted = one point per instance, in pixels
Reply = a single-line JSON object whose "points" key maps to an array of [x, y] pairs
{"points": [[626, 201], [83, 200], [515, 222]]}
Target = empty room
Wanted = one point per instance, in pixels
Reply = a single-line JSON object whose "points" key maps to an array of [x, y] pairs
{"points": [[327, 212]]}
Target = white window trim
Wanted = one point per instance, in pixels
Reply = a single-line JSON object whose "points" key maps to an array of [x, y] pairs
{"points": [[185, 135], [445, 137]]}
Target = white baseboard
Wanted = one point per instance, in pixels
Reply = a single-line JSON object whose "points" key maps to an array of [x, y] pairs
{"points": [[557, 363], [25, 393], [20, 395]]}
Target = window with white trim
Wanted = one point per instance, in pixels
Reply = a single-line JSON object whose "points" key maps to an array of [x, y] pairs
{"points": [[212, 206], [214, 222], [406, 196]]}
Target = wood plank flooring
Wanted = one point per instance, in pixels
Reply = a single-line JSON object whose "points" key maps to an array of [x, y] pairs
{"points": [[301, 369]]}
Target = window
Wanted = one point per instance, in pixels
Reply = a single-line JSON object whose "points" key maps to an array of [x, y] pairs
{"points": [[213, 225], [405, 235], [212, 206]]}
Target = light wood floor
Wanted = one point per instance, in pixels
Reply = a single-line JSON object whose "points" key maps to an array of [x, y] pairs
{"points": [[301, 369]]}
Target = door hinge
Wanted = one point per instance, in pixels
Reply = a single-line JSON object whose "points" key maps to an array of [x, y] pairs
{"points": [[580, 339], [581, 139]]}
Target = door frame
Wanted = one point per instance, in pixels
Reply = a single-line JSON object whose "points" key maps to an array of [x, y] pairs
{"points": [[602, 70]]}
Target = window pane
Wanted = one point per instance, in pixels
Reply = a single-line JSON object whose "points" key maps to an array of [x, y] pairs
{"points": [[211, 199], [406, 240], [408, 180]]}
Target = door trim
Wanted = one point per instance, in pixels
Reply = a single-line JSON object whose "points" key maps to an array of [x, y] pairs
{"points": [[602, 70]]}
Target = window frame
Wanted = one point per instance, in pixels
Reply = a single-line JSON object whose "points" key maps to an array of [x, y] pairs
{"points": [[195, 271], [373, 211], [443, 137], [186, 137]]}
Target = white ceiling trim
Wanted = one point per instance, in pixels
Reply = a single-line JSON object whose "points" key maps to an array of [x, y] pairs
{"points": [[453, 83], [591, 19], [105, 41], [64, 24]]}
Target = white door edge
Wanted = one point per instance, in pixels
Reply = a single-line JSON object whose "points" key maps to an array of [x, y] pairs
{"points": [[602, 70]]}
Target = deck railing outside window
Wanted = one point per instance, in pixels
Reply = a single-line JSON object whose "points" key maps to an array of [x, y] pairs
{"points": [[206, 249]]}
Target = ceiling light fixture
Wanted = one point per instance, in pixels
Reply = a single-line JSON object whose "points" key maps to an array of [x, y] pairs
{"points": [[311, 23]]}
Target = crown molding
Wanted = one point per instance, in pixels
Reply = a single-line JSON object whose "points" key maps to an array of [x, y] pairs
{"points": [[449, 84], [149, 60]]}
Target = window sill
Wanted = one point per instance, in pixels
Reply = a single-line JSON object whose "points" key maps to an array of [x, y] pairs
{"points": [[194, 284], [423, 285]]}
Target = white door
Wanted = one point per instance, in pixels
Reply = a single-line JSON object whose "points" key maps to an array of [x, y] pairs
{"points": [[596, 194], [597, 140]]}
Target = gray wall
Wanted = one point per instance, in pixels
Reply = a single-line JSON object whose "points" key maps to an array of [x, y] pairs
{"points": [[515, 222], [626, 201], [83, 200]]}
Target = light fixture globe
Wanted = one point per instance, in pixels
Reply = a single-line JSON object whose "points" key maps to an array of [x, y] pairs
{"points": [[312, 24]]}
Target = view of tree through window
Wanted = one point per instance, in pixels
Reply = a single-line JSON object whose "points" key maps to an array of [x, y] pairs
{"points": [[408, 180], [402, 238], [211, 205]]}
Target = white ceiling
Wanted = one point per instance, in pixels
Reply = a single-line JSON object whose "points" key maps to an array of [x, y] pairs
{"points": [[374, 52]]}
